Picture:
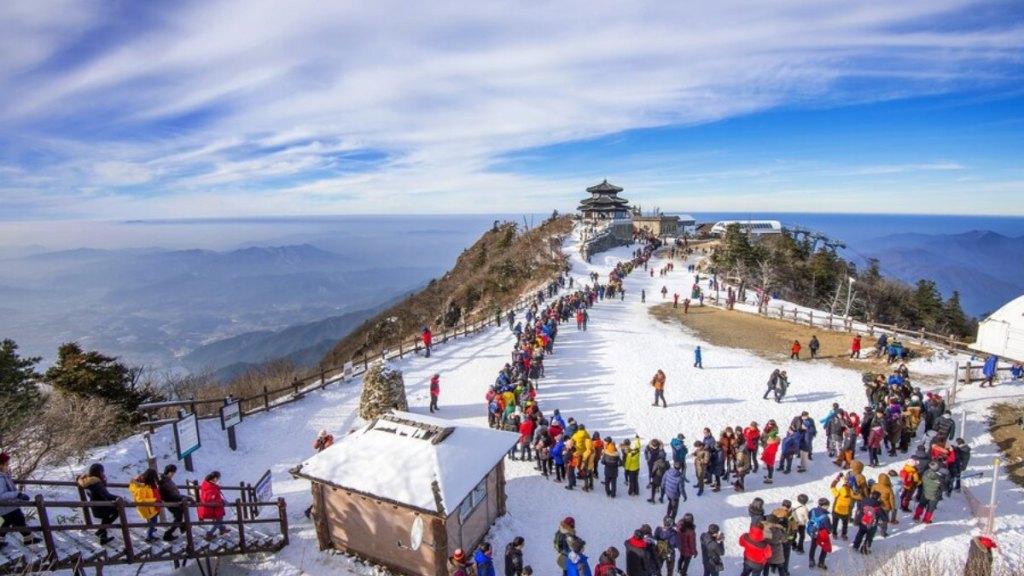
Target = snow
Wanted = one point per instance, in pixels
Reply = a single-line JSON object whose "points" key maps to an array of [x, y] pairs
{"points": [[405, 463], [601, 378]]}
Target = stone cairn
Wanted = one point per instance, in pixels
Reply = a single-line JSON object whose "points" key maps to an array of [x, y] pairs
{"points": [[383, 391]]}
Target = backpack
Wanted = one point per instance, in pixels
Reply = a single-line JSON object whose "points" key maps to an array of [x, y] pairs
{"points": [[560, 542], [664, 550], [869, 516], [814, 521]]}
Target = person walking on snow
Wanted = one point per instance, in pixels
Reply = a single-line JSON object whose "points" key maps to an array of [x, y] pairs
{"points": [[795, 350], [658, 382], [814, 345], [435, 391], [698, 361]]}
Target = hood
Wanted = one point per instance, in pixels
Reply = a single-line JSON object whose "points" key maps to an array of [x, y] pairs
{"points": [[610, 449], [883, 480], [566, 529], [86, 481], [857, 467], [637, 542], [756, 534], [780, 513]]}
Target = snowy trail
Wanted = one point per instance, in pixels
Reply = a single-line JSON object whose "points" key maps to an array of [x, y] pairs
{"points": [[600, 377]]}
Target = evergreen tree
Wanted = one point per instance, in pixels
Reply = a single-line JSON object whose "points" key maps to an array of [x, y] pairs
{"points": [[955, 321], [94, 375], [20, 399], [927, 303]]}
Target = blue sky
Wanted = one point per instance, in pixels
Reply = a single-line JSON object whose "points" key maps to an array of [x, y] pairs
{"points": [[230, 108]]}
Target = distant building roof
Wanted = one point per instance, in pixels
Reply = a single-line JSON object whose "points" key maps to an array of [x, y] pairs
{"points": [[604, 187], [751, 226], [400, 455]]}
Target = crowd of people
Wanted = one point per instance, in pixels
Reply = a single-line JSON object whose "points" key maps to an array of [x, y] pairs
{"points": [[566, 451]]}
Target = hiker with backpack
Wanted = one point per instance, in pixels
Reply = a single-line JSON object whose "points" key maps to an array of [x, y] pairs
{"points": [[667, 541], [819, 530], [869, 512], [564, 537]]}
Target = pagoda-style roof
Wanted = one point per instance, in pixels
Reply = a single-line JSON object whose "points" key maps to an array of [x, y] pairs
{"points": [[604, 188]]}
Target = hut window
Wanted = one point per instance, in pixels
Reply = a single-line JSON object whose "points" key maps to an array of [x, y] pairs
{"points": [[478, 495]]}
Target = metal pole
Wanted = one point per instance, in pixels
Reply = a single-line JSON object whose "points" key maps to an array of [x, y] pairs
{"points": [[963, 425], [990, 529]]}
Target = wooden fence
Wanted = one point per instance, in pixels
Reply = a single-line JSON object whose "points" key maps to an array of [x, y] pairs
{"points": [[846, 324], [154, 415]]}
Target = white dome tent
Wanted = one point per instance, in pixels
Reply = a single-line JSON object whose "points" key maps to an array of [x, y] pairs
{"points": [[1002, 333]]}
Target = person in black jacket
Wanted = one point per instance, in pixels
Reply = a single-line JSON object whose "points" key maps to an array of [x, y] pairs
{"points": [[95, 484], [638, 557], [514, 557], [169, 493], [711, 550]]}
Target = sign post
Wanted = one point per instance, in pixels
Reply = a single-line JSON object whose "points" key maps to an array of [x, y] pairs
{"points": [[230, 416], [186, 437], [264, 491]]}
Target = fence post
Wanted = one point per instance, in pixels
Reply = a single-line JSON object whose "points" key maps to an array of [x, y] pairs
{"points": [[241, 525], [187, 517], [129, 550], [44, 526], [282, 515], [266, 399], [323, 377], [86, 512], [991, 528], [871, 328], [967, 373], [401, 349], [810, 318]]}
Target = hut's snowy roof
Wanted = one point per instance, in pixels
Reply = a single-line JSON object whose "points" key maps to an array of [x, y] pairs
{"points": [[400, 455], [1002, 333]]}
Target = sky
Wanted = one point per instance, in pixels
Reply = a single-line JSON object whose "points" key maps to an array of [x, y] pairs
{"points": [[232, 108]]}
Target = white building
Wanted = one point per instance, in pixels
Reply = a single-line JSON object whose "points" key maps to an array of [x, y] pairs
{"points": [[1002, 333], [755, 227]]}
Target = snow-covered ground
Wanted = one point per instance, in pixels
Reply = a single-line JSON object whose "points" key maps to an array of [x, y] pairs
{"points": [[600, 377]]}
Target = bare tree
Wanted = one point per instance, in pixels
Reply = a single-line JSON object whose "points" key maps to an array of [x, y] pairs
{"points": [[67, 428], [766, 280]]}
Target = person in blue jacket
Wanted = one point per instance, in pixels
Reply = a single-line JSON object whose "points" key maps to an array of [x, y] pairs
{"points": [[483, 560], [577, 563], [989, 371], [558, 459], [697, 362], [790, 447], [673, 487]]}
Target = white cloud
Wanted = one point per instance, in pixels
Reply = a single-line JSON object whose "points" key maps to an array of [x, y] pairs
{"points": [[221, 99]]}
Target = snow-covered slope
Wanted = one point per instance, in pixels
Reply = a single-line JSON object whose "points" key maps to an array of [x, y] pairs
{"points": [[600, 377]]}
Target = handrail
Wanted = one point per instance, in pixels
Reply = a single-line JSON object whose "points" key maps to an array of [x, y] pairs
{"points": [[61, 557], [298, 388]]}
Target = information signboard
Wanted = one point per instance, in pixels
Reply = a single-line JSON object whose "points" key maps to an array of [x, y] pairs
{"points": [[230, 414], [186, 435], [264, 491]]}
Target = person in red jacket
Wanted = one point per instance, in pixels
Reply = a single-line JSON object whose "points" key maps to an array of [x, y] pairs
{"points": [[752, 439], [771, 449], [756, 551], [855, 347], [435, 391], [526, 440], [428, 339], [210, 493]]}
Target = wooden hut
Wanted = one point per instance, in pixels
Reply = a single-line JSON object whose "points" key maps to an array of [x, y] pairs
{"points": [[407, 490]]}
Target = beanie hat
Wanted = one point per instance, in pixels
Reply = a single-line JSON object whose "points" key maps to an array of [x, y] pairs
{"points": [[459, 556], [569, 521], [4, 458]]}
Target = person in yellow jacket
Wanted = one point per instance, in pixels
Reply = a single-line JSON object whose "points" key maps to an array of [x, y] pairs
{"points": [[886, 501], [144, 489], [842, 506], [631, 465], [911, 479], [587, 464]]}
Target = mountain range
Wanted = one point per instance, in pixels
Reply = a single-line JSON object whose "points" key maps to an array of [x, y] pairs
{"points": [[986, 268]]}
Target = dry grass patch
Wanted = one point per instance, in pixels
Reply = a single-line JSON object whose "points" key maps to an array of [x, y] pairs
{"points": [[771, 338], [1009, 436]]}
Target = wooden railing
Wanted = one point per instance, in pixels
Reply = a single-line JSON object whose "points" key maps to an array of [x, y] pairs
{"points": [[153, 415], [847, 324], [65, 528]]}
